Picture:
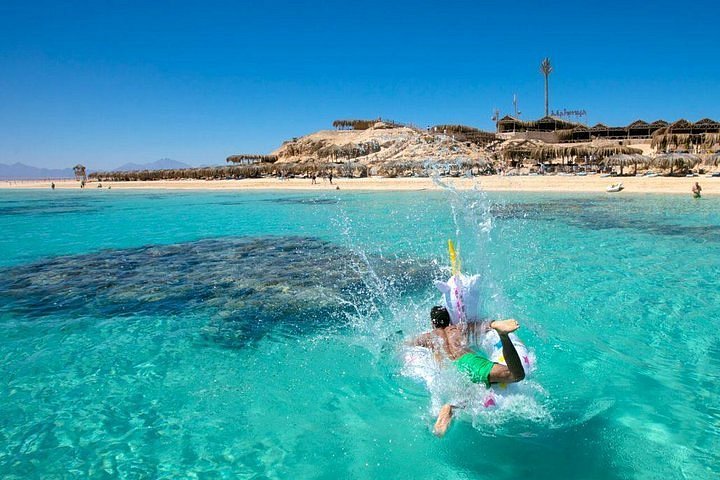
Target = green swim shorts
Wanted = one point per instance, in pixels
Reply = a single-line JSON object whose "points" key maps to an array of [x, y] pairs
{"points": [[476, 367]]}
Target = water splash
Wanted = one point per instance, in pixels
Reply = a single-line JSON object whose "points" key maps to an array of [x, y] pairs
{"points": [[391, 320]]}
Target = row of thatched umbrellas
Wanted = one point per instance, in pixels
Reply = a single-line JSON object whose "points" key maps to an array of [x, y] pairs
{"points": [[609, 155], [673, 160]]}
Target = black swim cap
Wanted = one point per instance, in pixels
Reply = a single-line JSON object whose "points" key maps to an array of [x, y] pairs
{"points": [[439, 316]]}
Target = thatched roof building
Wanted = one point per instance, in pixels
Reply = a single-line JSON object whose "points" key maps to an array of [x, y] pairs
{"points": [[510, 124], [575, 132], [463, 133], [360, 124], [701, 136], [251, 158]]}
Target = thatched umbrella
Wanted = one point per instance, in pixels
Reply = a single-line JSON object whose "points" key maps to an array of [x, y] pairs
{"points": [[517, 149], [604, 151], [550, 152], [352, 169], [79, 171], [672, 160], [623, 160], [711, 159], [393, 168]]}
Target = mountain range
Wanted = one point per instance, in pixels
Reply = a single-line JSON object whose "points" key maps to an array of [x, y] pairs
{"points": [[20, 171], [162, 164]]}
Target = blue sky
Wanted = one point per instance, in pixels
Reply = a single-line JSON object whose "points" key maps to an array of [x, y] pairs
{"points": [[108, 82]]}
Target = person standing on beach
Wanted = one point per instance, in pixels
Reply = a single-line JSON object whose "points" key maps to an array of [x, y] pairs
{"points": [[330, 177], [451, 341], [52, 185], [696, 190]]}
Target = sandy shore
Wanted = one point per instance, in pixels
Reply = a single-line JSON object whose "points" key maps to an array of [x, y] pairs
{"points": [[594, 183]]}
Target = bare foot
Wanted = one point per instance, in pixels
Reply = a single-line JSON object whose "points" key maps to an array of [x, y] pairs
{"points": [[443, 420], [503, 327]]}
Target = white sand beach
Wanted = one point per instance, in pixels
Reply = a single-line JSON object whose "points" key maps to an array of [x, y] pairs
{"points": [[547, 183]]}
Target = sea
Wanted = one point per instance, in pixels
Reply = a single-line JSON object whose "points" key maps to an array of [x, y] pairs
{"points": [[264, 334]]}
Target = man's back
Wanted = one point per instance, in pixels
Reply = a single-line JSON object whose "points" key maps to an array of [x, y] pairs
{"points": [[453, 341]]}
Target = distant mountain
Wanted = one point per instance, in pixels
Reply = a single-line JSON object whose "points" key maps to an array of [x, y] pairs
{"points": [[20, 171], [162, 164]]}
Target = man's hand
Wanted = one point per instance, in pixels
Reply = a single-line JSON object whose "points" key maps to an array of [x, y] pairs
{"points": [[503, 327]]}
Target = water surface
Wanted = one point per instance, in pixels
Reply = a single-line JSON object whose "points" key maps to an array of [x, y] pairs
{"points": [[259, 334]]}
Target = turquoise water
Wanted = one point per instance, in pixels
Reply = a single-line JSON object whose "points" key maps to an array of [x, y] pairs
{"points": [[260, 335]]}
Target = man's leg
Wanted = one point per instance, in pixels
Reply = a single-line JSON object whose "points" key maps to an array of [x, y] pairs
{"points": [[513, 372], [443, 420]]}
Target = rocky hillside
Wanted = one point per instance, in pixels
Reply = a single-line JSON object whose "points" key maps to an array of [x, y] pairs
{"points": [[379, 144]]}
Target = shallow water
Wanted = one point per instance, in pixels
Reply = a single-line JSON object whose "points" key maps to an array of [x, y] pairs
{"points": [[259, 335]]}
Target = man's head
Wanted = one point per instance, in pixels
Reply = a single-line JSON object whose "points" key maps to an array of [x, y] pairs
{"points": [[439, 317]]}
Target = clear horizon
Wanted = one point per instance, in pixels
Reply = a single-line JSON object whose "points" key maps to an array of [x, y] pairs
{"points": [[134, 82]]}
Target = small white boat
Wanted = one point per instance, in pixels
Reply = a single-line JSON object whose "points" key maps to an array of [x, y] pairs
{"points": [[616, 187]]}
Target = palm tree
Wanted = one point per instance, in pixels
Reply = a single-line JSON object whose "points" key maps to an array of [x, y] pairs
{"points": [[546, 69]]}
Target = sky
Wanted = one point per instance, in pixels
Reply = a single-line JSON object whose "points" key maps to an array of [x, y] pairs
{"points": [[104, 83]]}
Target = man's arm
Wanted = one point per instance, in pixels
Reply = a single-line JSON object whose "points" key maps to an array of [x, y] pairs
{"points": [[514, 371], [424, 340]]}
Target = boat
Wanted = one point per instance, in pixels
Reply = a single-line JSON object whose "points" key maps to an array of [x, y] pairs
{"points": [[615, 187]]}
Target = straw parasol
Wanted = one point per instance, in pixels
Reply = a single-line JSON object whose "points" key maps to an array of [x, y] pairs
{"points": [[518, 149], [623, 160], [80, 172], [711, 159], [673, 160], [550, 152]]}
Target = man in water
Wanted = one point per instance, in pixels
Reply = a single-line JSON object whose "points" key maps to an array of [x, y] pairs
{"points": [[451, 341], [696, 190]]}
